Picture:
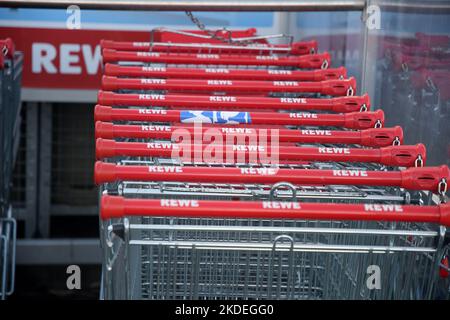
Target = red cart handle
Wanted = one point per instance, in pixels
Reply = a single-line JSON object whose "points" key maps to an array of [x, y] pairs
{"points": [[224, 73], [402, 156], [309, 61], [330, 87], [425, 178], [118, 207], [296, 48], [7, 47], [380, 137], [353, 120], [337, 104]]}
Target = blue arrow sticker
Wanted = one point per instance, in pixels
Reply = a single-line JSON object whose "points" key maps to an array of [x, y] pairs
{"points": [[220, 117]]}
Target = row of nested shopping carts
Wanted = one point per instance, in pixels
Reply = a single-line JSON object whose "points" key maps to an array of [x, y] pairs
{"points": [[193, 207], [415, 75], [11, 63]]}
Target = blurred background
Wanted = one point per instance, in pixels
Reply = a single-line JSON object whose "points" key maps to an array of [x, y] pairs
{"points": [[402, 60]]}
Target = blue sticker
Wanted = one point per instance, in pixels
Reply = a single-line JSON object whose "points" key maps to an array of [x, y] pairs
{"points": [[220, 117]]}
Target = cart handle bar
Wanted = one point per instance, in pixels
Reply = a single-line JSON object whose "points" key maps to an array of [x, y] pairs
{"points": [[402, 156], [112, 207], [353, 120], [307, 61], [224, 73], [376, 137], [336, 104], [337, 88], [424, 178]]}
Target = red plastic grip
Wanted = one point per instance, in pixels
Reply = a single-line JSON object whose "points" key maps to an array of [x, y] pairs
{"points": [[426, 178], [401, 156], [309, 61], [337, 104], [328, 87], [119, 207], [223, 73], [354, 120], [381, 137]]}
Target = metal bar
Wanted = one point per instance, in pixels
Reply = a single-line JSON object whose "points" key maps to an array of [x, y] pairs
{"points": [[233, 5], [203, 245], [228, 228], [31, 196], [198, 5]]}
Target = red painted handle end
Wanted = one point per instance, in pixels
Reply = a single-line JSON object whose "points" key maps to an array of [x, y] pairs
{"points": [[381, 137], [104, 130], [105, 148], [403, 156], [102, 113], [111, 207], [104, 172]]}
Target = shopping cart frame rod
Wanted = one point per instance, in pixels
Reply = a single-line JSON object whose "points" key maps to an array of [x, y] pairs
{"points": [[424, 178], [233, 246], [266, 194], [288, 230], [118, 207], [336, 104], [205, 245]]}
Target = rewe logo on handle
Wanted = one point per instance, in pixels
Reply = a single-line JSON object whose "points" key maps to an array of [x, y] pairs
{"points": [[153, 81], [334, 150], [383, 207], [156, 69], [165, 169], [179, 203], [280, 205], [152, 97], [152, 111], [222, 99]]}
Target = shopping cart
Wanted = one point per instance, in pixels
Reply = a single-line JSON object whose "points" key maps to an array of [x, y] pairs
{"points": [[7, 254], [345, 199], [11, 64], [205, 249]]}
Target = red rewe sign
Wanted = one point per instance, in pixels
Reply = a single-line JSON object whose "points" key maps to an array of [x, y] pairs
{"points": [[63, 58]]}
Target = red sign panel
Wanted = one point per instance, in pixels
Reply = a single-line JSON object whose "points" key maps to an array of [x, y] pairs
{"points": [[64, 59]]}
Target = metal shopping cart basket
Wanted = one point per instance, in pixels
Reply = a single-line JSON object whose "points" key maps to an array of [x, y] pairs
{"points": [[333, 220]]}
